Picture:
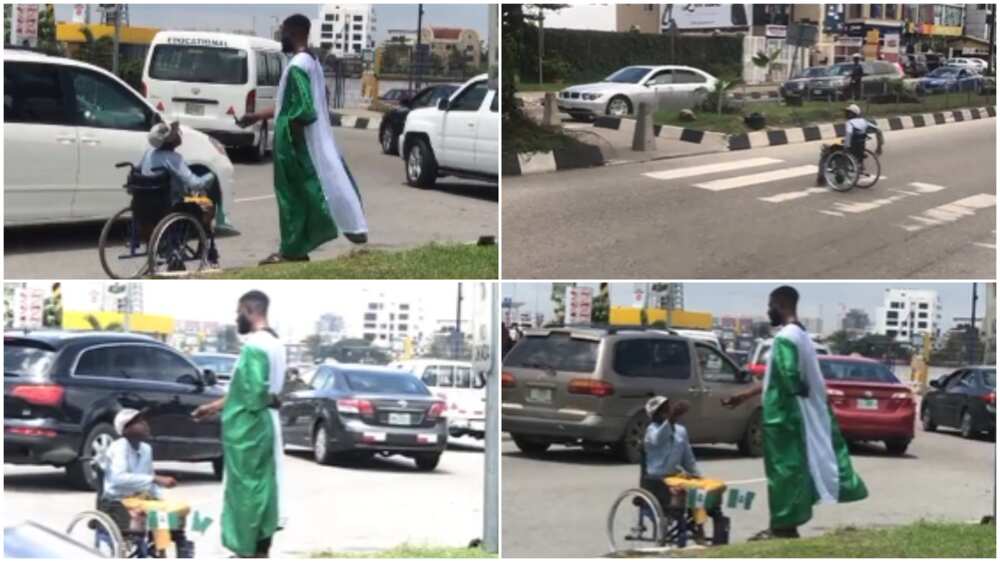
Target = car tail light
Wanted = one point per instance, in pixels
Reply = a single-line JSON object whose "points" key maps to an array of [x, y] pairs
{"points": [[591, 386], [31, 431], [251, 101], [757, 369], [436, 410], [42, 395], [507, 380], [990, 398], [835, 392], [353, 406]]}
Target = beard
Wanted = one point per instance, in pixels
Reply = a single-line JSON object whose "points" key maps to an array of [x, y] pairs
{"points": [[774, 317], [243, 325], [287, 46]]}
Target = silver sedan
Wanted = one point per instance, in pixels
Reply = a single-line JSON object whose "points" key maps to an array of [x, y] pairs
{"points": [[664, 87]]}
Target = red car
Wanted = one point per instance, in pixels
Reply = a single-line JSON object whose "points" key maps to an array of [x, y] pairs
{"points": [[869, 402]]}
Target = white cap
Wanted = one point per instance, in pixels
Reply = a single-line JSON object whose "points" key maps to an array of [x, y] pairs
{"points": [[853, 108], [125, 417], [158, 134], [654, 403]]}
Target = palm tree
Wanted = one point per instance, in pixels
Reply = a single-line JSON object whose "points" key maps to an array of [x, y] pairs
{"points": [[95, 324], [766, 61], [716, 96]]}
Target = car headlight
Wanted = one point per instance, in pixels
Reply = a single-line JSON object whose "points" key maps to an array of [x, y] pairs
{"points": [[591, 97], [218, 146]]}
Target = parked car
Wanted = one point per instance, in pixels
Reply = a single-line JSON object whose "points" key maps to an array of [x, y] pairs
{"points": [[393, 121], [63, 389], [950, 79], [462, 390], [975, 65], [460, 136], [934, 60], [588, 387], [798, 86], [221, 364], [84, 120], [359, 411], [395, 96], [620, 93], [28, 539], [879, 77], [739, 356], [762, 353], [869, 402], [915, 65], [965, 399]]}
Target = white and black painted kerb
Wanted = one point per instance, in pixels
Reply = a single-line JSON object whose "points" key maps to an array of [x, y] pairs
{"points": [[581, 156], [353, 121], [668, 132]]}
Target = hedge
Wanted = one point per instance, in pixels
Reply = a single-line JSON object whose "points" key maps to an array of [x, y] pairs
{"points": [[584, 55]]}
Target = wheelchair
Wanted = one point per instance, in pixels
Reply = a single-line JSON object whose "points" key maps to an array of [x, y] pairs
{"points": [[638, 520], [162, 236], [842, 171]]}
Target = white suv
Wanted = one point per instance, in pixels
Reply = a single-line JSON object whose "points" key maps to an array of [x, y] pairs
{"points": [[66, 125], [459, 137]]}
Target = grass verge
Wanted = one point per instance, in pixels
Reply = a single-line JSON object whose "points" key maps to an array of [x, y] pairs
{"points": [[918, 540], [410, 551], [432, 261]]}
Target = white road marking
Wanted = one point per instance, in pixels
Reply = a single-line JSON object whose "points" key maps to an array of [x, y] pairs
{"points": [[926, 187], [832, 213], [792, 195], [951, 212], [985, 245], [711, 168], [754, 179], [258, 198], [865, 206]]}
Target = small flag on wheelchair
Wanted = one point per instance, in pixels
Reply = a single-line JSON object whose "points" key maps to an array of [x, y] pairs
{"points": [[196, 522], [739, 498], [735, 498]]}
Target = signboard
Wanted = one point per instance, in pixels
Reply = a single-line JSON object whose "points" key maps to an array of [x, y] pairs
{"points": [[703, 16], [849, 42], [25, 23], [579, 303], [79, 13], [779, 31], [833, 19], [802, 35], [891, 43], [639, 298], [367, 55]]}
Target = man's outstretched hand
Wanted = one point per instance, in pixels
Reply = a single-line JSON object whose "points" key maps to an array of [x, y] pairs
{"points": [[732, 401], [165, 481], [246, 120], [206, 411]]}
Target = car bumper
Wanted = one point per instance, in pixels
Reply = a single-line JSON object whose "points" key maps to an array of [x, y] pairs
{"points": [[24, 442], [233, 139], [876, 426], [591, 428], [360, 436], [467, 425], [582, 107], [825, 91]]}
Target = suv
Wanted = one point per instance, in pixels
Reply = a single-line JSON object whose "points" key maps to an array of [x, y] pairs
{"points": [[84, 120], [392, 122], [458, 137], [878, 79], [63, 389], [589, 386]]}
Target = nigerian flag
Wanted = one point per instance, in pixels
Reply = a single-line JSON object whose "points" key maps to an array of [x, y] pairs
{"points": [[805, 457], [316, 194], [252, 447]]}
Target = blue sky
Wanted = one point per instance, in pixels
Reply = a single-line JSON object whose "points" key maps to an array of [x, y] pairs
{"points": [[231, 17], [825, 300]]}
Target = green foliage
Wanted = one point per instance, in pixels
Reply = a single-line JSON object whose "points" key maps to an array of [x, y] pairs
{"points": [[8, 11], [717, 98]]}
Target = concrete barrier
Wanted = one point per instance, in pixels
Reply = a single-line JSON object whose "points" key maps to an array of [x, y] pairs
{"points": [[643, 139]]}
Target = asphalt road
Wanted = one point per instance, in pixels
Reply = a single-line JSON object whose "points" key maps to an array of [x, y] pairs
{"points": [[557, 505], [756, 214], [354, 508], [399, 216]]}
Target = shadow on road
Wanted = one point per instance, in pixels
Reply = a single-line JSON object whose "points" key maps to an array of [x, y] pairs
{"points": [[482, 191], [28, 239], [394, 463], [51, 480], [465, 448]]}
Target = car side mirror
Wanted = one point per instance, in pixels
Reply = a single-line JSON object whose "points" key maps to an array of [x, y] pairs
{"points": [[191, 380], [936, 383], [208, 375], [443, 104]]}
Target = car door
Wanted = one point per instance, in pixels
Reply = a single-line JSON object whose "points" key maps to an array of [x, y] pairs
{"points": [[953, 398], [37, 126], [648, 367], [662, 93], [460, 128], [298, 410], [488, 135], [113, 123], [721, 378], [687, 84]]}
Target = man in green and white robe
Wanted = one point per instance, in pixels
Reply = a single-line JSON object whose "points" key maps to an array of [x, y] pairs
{"points": [[805, 456], [253, 454], [317, 196]]}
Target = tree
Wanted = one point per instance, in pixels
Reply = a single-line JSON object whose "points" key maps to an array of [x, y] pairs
{"points": [[513, 27], [840, 342], [715, 98], [600, 308], [8, 13], [95, 324], [766, 61], [47, 31], [456, 62]]}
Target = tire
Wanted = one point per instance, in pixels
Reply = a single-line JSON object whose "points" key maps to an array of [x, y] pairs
{"points": [[616, 104], [103, 249], [421, 166], [629, 449], [218, 468], [427, 462], [530, 446], [178, 224], [897, 447], [79, 473], [388, 141], [927, 419], [118, 547], [871, 164], [627, 501], [258, 152], [839, 171], [321, 446], [752, 442], [966, 427]]}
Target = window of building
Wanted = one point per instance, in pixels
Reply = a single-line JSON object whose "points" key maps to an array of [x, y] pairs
{"points": [[358, 27], [922, 325], [327, 27], [891, 12], [854, 11], [891, 333], [404, 307], [356, 37], [373, 306], [403, 327], [327, 36], [370, 316], [326, 45], [875, 11], [892, 314], [891, 323], [338, 46], [381, 337], [369, 336], [895, 304], [922, 315], [923, 306], [369, 326], [331, 17], [359, 18], [404, 316]]}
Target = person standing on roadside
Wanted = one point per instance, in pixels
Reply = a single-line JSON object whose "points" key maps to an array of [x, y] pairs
{"points": [[857, 76], [251, 435], [805, 456]]}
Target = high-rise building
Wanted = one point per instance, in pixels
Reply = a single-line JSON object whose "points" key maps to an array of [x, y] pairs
{"points": [[344, 29], [387, 322], [907, 312]]}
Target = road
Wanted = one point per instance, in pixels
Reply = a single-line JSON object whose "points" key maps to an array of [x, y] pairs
{"points": [[353, 508], [556, 505], [756, 214], [399, 216]]}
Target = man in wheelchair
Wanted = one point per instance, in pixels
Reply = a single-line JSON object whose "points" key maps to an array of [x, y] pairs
{"points": [[130, 489]]}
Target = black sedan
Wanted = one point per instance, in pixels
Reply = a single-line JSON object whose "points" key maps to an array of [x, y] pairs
{"points": [[359, 411], [965, 399], [393, 121], [798, 86]]}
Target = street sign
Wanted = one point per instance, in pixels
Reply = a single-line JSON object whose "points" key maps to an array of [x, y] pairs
{"points": [[579, 304], [775, 31], [26, 23], [79, 13], [367, 55]]}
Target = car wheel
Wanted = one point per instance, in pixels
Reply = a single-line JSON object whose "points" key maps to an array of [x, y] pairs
{"points": [[427, 462], [629, 449], [927, 420], [897, 447], [966, 428], [321, 445], [218, 468], [388, 141], [530, 446], [80, 473], [619, 106], [752, 443], [421, 166]]}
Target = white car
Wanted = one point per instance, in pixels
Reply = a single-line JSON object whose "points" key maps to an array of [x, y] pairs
{"points": [[976, 65], [619, 95], [66, 125], [762, 354], [462, 390], [459, 137]]}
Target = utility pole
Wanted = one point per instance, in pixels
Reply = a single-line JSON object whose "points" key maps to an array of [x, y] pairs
{"points": [[991, 20], [419, 55], [972, 328], [457, 345], [491, 42], [118, 33], [491, 499]]}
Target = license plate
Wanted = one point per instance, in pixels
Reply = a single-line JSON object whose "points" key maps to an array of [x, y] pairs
{"points": [[194, 109], [543, 395], [817, 92], [867, 404], [399, 419]]}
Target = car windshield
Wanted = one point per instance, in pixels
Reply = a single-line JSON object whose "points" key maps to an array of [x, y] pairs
{"points": [[841, 69], [856, 371], [813, 72], [628, 75], [220, 365], [944, 72], [385, 383], [990, 377], [26, 361], [555, 351], [205, 65]]}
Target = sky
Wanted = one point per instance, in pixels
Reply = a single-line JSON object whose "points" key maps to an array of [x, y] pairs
{"points": [[263, 18], [825, 300]]}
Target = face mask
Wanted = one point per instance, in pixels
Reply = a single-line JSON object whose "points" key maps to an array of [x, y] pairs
{"points": [[774, 317], [287, 46], [242, 324]]}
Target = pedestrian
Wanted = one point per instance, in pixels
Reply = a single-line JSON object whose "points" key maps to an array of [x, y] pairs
{"points": [[806, 460], [506, 342], [857, 74], [316, 193], [252, 448]]}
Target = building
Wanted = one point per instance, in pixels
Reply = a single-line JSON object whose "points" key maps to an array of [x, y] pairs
{"points": [[406, 37], [989, 332], [855, 322], [641, 18], [23, 305], [906, 313], [812, 325], [344, 29], [977, 22], [444, 41], [330, 327], [388, 323]]}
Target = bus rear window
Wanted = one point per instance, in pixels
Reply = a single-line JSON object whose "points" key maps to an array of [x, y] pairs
{"points": [[204, 65]]}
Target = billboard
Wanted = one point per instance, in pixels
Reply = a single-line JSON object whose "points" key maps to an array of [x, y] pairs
{"points": [[579, 303], [685, 17]]}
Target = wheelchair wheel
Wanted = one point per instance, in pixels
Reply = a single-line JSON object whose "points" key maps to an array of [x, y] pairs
{"points": [[872, 170], [121, 252], [635, 521], [840, 170], [99, 531], [179, 245]]}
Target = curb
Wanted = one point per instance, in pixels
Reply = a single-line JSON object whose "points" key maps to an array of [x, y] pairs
{"points": [[770, 95], [778, 137], [667, 132], [525, 163], [354, 121]]}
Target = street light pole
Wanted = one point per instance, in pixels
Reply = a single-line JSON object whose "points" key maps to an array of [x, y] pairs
{"points": [[972, 328], [117, 41], [491, 488]]}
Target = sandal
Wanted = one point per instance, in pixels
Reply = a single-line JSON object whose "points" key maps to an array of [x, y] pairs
{"points": [[276, 258], [357, 237], [768, 534]]}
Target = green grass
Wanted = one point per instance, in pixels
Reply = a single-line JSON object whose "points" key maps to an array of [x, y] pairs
{"points": [[536, 87], [779, 115], [432, 261], [410, 551], [917, 540], [521, 134]]}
